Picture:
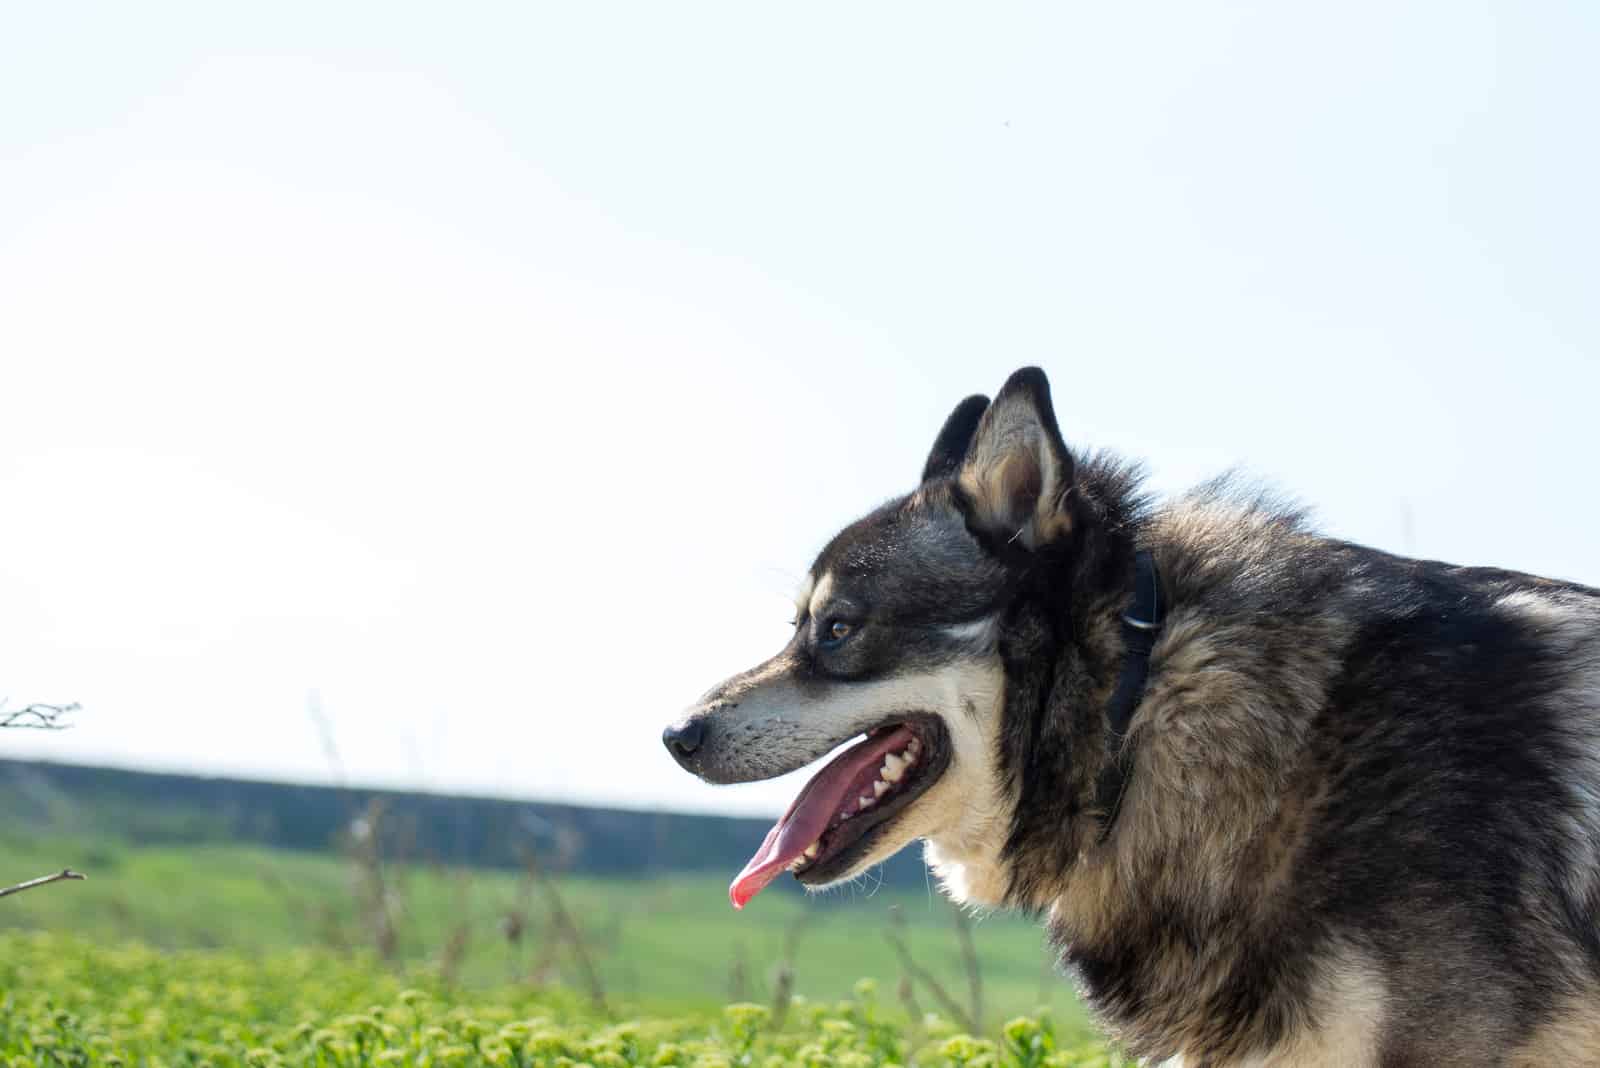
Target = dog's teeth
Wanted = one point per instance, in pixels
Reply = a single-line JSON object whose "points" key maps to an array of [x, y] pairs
{"points": [[880, 788], [894, 766], [811, 852], [845, 815], [866, 802]]}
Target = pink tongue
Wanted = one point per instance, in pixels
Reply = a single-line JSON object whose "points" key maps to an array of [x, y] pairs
{"points": [[823, 798]]}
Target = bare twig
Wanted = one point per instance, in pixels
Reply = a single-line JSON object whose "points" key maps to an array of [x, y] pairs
{"points": [[782, 993], [969, 959], [1047, 975], [564, 922], [364, 846], [515, 924], [739, 975], [895, 934], [460, 937], [38, 716], [324, 725], [783, 974], [908, 998], [64, 873]]}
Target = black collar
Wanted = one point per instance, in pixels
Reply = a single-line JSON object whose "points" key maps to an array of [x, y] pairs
{"points": [[1141, 626]]}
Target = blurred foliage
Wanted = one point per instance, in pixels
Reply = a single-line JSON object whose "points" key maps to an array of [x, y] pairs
{"points": [[73, 1003], [672, 942], [274, 956]]}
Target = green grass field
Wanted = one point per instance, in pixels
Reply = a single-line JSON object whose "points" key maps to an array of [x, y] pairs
{"points": [[664, 945]]}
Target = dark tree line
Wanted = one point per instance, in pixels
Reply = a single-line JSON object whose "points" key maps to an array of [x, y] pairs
{"points": [[475, 831]]}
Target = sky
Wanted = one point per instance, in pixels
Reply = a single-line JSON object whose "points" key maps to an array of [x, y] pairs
{"points": [[444, 396]]}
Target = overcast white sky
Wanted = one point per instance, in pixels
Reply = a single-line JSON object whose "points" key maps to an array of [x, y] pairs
{"points": [[495, 370]]}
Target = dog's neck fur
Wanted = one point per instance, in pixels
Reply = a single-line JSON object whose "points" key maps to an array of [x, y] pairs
{"points": [[1061, 647], [1062, 650]]}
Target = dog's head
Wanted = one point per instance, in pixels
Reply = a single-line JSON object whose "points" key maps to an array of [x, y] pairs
{"points": [[896, 644]]}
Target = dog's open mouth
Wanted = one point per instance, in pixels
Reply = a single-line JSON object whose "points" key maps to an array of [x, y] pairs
{"points": [[843, 809]]}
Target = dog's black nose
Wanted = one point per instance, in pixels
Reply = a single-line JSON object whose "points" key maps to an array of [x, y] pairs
{"points": [[683, 739]]}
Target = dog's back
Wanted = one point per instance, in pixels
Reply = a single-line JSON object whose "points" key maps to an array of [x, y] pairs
{"points": [[1462, 738], [1393, 774]]}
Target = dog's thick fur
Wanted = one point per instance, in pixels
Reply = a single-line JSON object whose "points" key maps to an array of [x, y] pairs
{"points": [[1362, 825]]}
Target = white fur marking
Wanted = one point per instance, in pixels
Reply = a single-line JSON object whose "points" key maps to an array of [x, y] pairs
{"points": [[1571, 629], [980, 634], [963, 814]]}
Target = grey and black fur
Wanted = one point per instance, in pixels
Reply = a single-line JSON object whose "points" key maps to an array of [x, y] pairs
{"points": [[1362, 821]]}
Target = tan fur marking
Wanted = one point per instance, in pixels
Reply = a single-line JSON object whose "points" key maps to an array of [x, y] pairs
{"points": [[802, 598], [1349, 1011], [821, 592], [1572, 1037], [980, 489], [1012, 461], [1212, 750]]}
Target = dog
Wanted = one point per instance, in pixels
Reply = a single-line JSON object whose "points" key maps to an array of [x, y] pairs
{"points": [[1280, 799]]}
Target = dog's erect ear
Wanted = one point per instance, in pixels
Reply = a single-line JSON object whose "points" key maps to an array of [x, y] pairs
{"points": [[950, 448], [1017, 471]]}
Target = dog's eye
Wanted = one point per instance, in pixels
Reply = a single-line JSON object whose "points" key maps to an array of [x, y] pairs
{"points": [[836, 632]]}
